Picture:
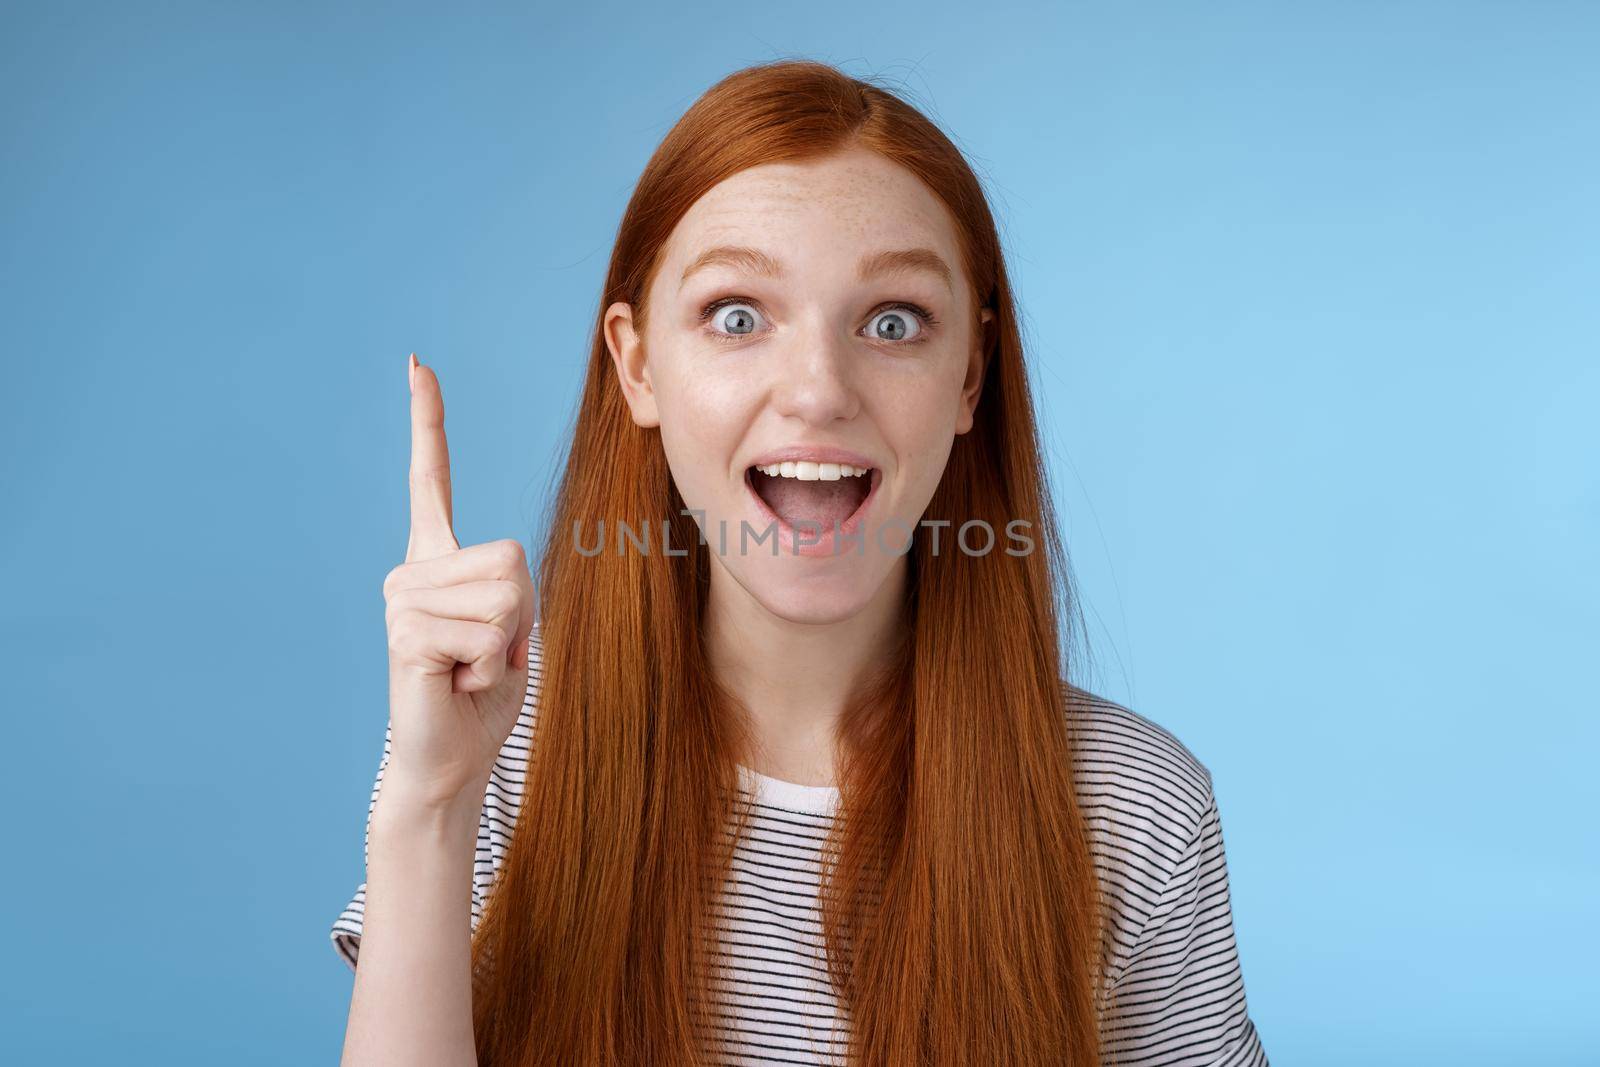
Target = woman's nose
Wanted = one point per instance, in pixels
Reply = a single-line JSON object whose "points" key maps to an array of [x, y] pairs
{"points": [[814, 379]]}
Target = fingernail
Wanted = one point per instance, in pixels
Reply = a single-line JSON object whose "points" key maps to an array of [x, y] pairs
{"points": [[412, 373]]}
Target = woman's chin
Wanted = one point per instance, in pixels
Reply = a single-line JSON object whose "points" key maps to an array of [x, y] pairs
{"points": [[798, 591]]}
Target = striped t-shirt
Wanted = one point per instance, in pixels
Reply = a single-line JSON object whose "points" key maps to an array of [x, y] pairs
{"points": [[1155, 833]]}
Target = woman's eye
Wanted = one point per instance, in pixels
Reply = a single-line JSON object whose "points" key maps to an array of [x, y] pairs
{"points": [[895, 324], [739, 320]]}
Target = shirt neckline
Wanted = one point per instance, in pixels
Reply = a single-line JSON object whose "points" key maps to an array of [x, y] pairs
{"points": [[811, 799]]}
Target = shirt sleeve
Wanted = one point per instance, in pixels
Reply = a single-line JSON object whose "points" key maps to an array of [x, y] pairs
{"points": [[497, 818], [1180, 997]]}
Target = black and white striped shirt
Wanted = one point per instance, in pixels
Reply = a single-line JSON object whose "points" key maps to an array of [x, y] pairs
{"points": [[1157, 840]]}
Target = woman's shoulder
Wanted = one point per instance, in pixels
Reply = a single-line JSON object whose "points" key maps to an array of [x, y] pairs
{"points": [[1156, 836], [1144, 793]]}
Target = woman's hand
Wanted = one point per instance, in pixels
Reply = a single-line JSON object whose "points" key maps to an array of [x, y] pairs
{"points": [[458, 622]]}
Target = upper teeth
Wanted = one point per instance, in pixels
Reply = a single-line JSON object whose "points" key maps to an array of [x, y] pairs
{"points": [[806, 471]]}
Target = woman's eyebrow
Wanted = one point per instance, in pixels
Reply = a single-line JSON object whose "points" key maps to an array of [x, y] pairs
{"points": [[888, 261]]}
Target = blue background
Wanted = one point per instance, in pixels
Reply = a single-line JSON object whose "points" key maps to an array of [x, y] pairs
{"points": [[1311, 299]]}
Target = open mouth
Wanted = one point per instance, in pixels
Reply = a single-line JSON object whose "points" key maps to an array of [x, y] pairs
{"points": [[801, 494]]}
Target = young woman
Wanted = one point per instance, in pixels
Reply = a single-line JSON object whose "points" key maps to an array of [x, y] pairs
{"points": [[788, 769]]}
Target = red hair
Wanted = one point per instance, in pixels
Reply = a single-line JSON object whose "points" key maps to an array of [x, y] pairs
{"points": [[960, 903]]}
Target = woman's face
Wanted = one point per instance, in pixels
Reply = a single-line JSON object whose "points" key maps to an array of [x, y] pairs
{"points": [[807, 313]]}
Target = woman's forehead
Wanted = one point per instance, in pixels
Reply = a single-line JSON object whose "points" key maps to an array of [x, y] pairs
{"points": [[860, 196]]}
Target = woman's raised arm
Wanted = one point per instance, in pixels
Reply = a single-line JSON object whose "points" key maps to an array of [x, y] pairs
{"points": [[458, 621]]}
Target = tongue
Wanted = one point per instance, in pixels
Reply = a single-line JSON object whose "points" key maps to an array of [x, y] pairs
{"points": [[823, 503]]}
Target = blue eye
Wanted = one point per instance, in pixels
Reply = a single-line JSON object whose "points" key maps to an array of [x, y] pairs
{"points": [[897, 321], [892, 324], [740, 323]]}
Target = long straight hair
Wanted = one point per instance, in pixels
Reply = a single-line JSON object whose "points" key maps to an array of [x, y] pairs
{"points": [[960, 905]]}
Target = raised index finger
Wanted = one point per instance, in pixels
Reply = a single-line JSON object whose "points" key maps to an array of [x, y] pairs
{"points": [[431, 533]]}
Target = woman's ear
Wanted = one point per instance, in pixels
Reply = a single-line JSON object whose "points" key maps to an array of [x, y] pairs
{"points": [[627, 355], [977, 363]]}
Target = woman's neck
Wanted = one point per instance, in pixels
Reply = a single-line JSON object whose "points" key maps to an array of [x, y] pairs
{"points": [[797, 678]]}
